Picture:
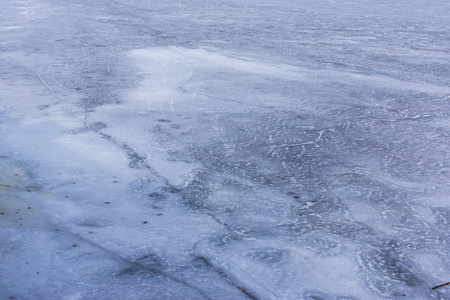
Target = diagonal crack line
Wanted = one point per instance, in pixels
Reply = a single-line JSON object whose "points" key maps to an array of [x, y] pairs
{"points": [[145, 267], [226, 277], [46, 85], [141, 266], [136, 159]]}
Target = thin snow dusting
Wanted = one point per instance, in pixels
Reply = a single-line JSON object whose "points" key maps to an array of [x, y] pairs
{"points": [[224, 149]]}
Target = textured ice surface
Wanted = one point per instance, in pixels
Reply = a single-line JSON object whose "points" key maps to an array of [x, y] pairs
{"points": [[224, 149]]}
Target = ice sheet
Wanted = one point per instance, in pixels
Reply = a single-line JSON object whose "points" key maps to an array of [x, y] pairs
{"points": [[224, 150]]}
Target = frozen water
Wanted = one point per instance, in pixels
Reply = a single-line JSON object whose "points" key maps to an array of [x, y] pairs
{"points": [[224, 149]]}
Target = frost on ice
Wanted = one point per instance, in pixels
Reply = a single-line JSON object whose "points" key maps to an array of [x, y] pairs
{"points": [[228, 150]]}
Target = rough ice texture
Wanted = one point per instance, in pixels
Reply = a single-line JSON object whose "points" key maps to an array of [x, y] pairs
{"points": [[224, 149]]}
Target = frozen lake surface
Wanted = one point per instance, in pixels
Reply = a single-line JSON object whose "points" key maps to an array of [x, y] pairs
{"points": [[224, 149]]}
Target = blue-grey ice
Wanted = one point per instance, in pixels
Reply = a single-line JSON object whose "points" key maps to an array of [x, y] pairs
{"points": [[225, 149]]}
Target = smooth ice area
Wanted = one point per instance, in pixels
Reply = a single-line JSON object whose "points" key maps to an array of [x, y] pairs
{"points": [[224, 149]]}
